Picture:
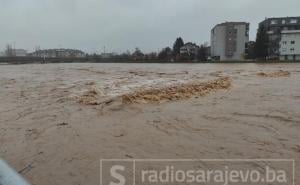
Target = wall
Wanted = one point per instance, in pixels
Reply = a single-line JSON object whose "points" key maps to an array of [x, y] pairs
{"points": [[286, 45], [242, 39], [218, 42]]}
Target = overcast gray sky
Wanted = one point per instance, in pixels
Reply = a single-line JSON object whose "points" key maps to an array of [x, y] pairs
{"points": [[126, 24]]}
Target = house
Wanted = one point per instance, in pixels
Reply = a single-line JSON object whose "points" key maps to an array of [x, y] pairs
{"points": [[189, 49], [290, 45], [274, 28], [228, 41]]}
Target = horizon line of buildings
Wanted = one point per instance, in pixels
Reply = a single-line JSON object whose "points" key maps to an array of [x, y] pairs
{"points": [[229, 41], [47, 53]]}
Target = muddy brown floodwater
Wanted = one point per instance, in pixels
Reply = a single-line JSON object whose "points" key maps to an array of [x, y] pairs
{"points": [[58, 120]]}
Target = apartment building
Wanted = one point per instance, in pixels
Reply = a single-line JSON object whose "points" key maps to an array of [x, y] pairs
{"points": [[290, 45], [274, 28], [229, 41]]}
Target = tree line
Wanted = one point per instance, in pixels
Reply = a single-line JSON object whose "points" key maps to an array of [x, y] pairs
{"points": [[167, 54]]}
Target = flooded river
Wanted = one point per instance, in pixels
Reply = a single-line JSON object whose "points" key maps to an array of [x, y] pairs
{"points": [[45, 130]]}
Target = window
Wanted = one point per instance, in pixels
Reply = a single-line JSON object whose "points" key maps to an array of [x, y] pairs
{"points": [[292, 49], [274, 22], [293, 21], [292, 42], [283, 21]]}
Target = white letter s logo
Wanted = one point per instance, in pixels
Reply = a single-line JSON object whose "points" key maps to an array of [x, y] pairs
{"points": [[113, 172]]}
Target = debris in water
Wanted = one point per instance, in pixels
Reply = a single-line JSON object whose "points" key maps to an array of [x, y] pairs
{"points": [[26, 169], [62, 124]]}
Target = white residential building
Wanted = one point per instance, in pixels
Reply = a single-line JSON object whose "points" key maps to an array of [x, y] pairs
{"points": [[189, 49], [290, 45], [229, 41]]}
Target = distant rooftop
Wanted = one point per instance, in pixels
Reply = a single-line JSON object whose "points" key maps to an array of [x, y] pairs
{"points": [[232, 23], [290, 31], [268, 18]]}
